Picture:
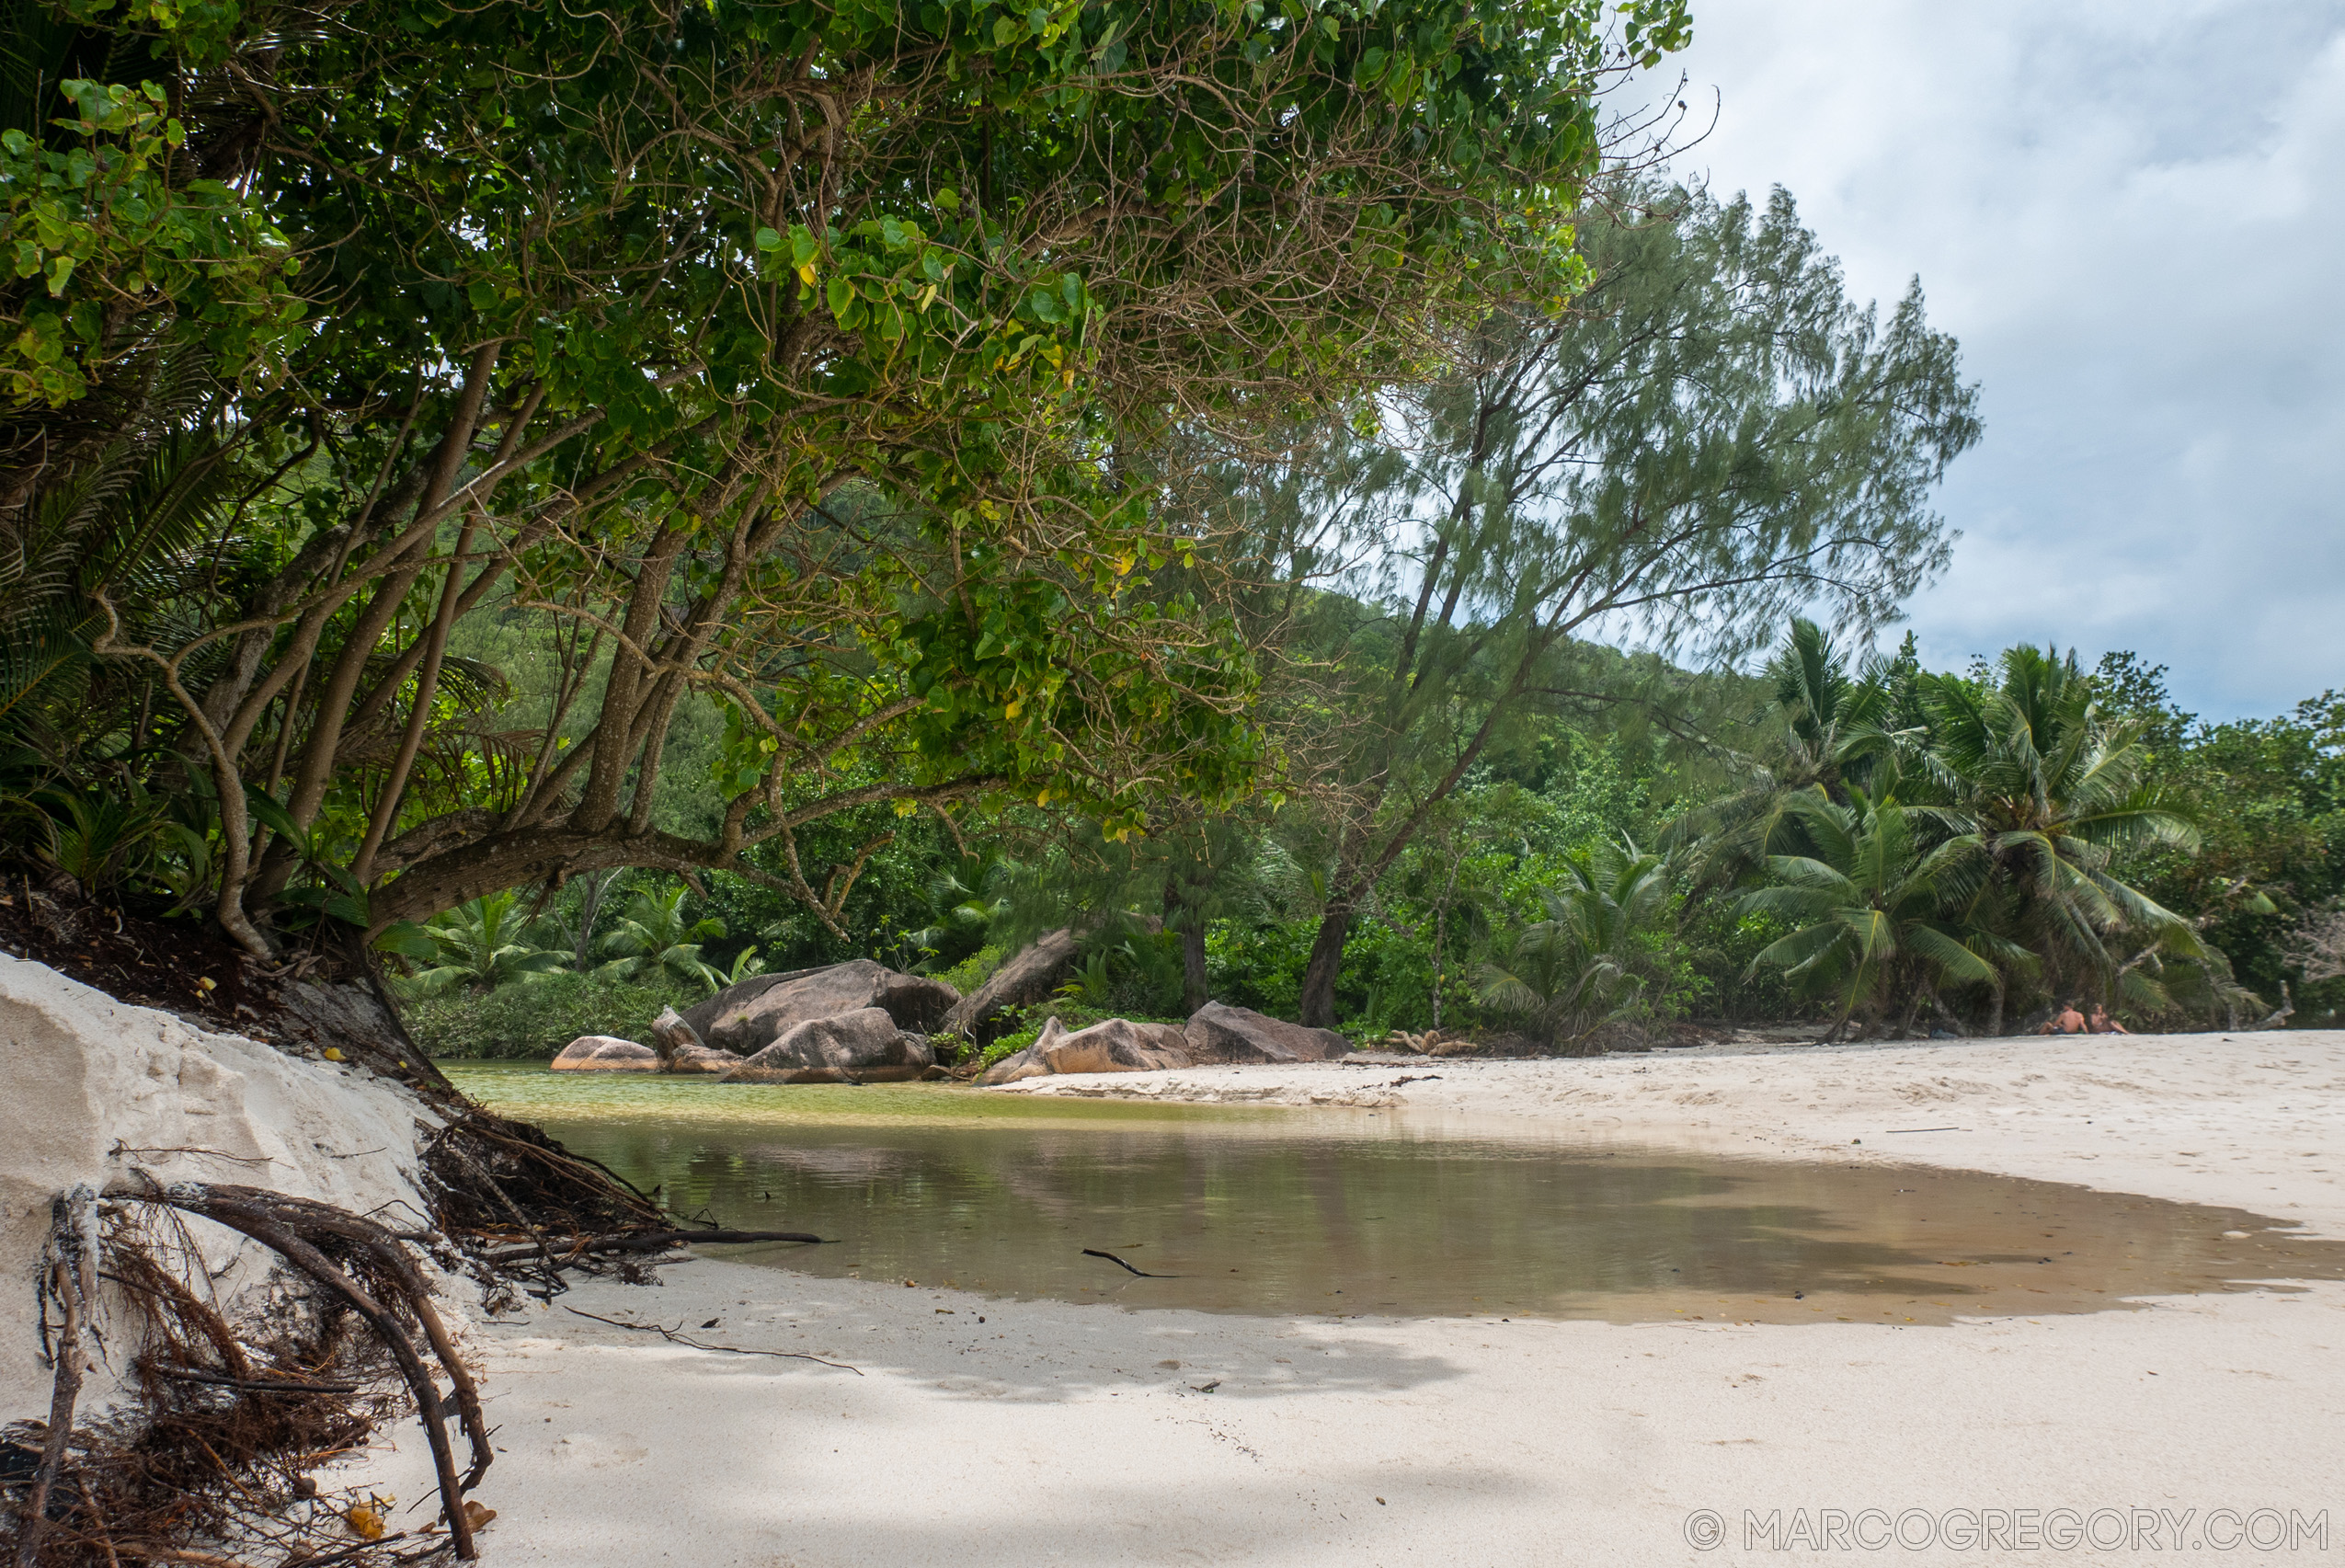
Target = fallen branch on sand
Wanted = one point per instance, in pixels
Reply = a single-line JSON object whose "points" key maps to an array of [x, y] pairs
{"points": [[674, 1338]]}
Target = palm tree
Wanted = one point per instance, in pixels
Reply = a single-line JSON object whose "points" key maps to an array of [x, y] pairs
{"points": [[1825, 729], [2055, 791], [1580, 968], [483, 945], [745, 966], [1876, 916], [653, 937], [963, 901]]}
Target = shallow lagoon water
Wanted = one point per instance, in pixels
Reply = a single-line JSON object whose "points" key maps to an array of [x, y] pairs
{"points": [[1271, 1210]]}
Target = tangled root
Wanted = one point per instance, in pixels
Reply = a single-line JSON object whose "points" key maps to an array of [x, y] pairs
{"points": [[211, 1462]]}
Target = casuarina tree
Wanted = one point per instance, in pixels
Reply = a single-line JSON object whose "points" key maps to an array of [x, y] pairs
{"points": [[1709, 438]]}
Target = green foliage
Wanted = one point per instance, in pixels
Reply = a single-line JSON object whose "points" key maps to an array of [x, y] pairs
{"points": [[1711, 436], [654, 938], [745, 965], [2268, 797], [1828, 727], [850, 463], [2056, 790], [483, 945], [1259, 965], [99, 839], [973, 970], [99, 227], [1876, 916], [1973, 829], [533, 1021], [1130, 973], [965, 901], [1588, 963]]}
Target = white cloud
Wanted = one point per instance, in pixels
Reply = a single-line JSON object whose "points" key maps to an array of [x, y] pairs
{"points": [[2132, 216]]}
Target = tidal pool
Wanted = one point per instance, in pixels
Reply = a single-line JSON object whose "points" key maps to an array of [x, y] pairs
{"points": [[1354, 1213]]}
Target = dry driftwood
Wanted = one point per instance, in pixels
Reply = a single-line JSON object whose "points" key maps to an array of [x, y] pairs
{"points": [[69, 1278]]}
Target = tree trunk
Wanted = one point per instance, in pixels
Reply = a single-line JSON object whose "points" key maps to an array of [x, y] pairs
{"points": [[1441, 932], [1185, 901], [1193, 992], [1326, 963], [1440, 935]]}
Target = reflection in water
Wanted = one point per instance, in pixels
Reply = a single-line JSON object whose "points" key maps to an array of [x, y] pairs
{"points": [[1274, 1212]]}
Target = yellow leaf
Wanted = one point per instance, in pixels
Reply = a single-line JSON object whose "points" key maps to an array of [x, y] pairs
{"points": [[806, 274], [333, 1053], [1011, 710], [366, 1522]]}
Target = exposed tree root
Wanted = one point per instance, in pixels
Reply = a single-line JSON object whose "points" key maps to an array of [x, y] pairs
{"points": [[210, 1459], [211, 1462], [523, 1208]]}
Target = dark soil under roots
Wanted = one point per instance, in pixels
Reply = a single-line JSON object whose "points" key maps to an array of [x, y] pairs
{"points": [[322, 993]]}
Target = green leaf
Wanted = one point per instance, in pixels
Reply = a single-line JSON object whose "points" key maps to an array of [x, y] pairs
{"points": [[265, 809], [407, 940]]}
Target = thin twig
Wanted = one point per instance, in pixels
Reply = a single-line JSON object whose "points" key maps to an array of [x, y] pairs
{"points": [[672, 1336], [252, 1385], [121, 1148], [345, 1553]]}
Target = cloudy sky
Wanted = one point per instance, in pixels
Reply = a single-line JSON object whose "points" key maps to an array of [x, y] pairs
{"points": [[2132, 213]]}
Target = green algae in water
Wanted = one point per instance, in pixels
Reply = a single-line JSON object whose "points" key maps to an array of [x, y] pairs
{"points": [[1273, 1210]]}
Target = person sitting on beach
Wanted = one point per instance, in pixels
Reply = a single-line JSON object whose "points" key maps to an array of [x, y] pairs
{"points": [[2100, 1022], [2067, 1022]]}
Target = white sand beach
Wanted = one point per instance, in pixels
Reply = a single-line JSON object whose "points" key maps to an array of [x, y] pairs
{"points": [[977, 1431]]}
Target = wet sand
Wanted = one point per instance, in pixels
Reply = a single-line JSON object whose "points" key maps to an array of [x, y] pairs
{"points": [[974, 1430]]}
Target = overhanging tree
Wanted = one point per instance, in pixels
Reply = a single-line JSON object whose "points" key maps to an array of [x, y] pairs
{"points": [[795, 355]]}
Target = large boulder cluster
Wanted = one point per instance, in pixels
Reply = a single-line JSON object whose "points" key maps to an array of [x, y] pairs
{"points": [[858, 1021], [1216, 1034], [863, 1023]]}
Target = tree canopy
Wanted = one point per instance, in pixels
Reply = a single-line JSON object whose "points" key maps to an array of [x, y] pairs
{"points": [[791, 357]]}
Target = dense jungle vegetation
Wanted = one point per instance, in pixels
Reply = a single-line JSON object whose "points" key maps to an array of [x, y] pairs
{"points": [[596, 505]]}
